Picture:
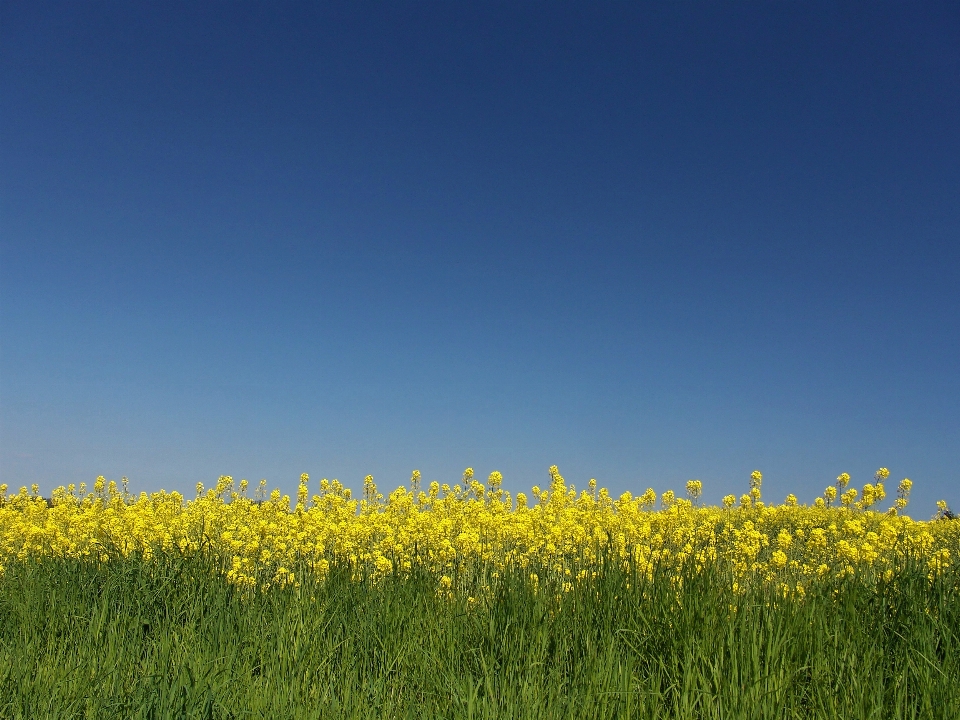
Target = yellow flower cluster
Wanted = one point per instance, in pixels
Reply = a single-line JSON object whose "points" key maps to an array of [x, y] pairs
{"points": [[555, 533]]}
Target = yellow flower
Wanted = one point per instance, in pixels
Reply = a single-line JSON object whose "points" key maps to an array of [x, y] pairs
{"points": [[560, 539], [784, 539], [848, 497]]}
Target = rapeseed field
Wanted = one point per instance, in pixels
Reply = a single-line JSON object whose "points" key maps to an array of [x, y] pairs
{"points": [[468, 601]]}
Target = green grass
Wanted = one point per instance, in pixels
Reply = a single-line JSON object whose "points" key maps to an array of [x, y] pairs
{"points": [[169, 639]]}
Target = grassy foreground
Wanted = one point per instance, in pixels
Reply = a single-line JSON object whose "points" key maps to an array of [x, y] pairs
{"points": [[470, 602], [170, 637]]}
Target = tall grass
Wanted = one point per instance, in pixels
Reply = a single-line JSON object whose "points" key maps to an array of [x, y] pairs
{"points": [[169, 638]]}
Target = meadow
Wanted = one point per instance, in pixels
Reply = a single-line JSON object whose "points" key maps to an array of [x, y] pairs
{"points": [[469, 602]]}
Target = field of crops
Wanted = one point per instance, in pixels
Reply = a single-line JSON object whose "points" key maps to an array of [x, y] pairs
{"points": [[467, 601]]}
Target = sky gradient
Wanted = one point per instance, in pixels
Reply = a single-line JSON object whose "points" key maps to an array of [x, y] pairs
{"points": [[644, 242]]}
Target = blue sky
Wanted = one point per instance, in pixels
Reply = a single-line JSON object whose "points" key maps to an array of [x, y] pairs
{"points": [[645, 242]]}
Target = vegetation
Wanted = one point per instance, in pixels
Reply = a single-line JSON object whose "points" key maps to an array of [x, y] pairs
{"points": [[465, 602]]}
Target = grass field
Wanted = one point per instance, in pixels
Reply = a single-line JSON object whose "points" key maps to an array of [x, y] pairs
{"points": [[667, 622]]}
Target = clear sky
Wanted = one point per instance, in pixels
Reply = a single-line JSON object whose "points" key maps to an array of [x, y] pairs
{"points": [[647, 242]]}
